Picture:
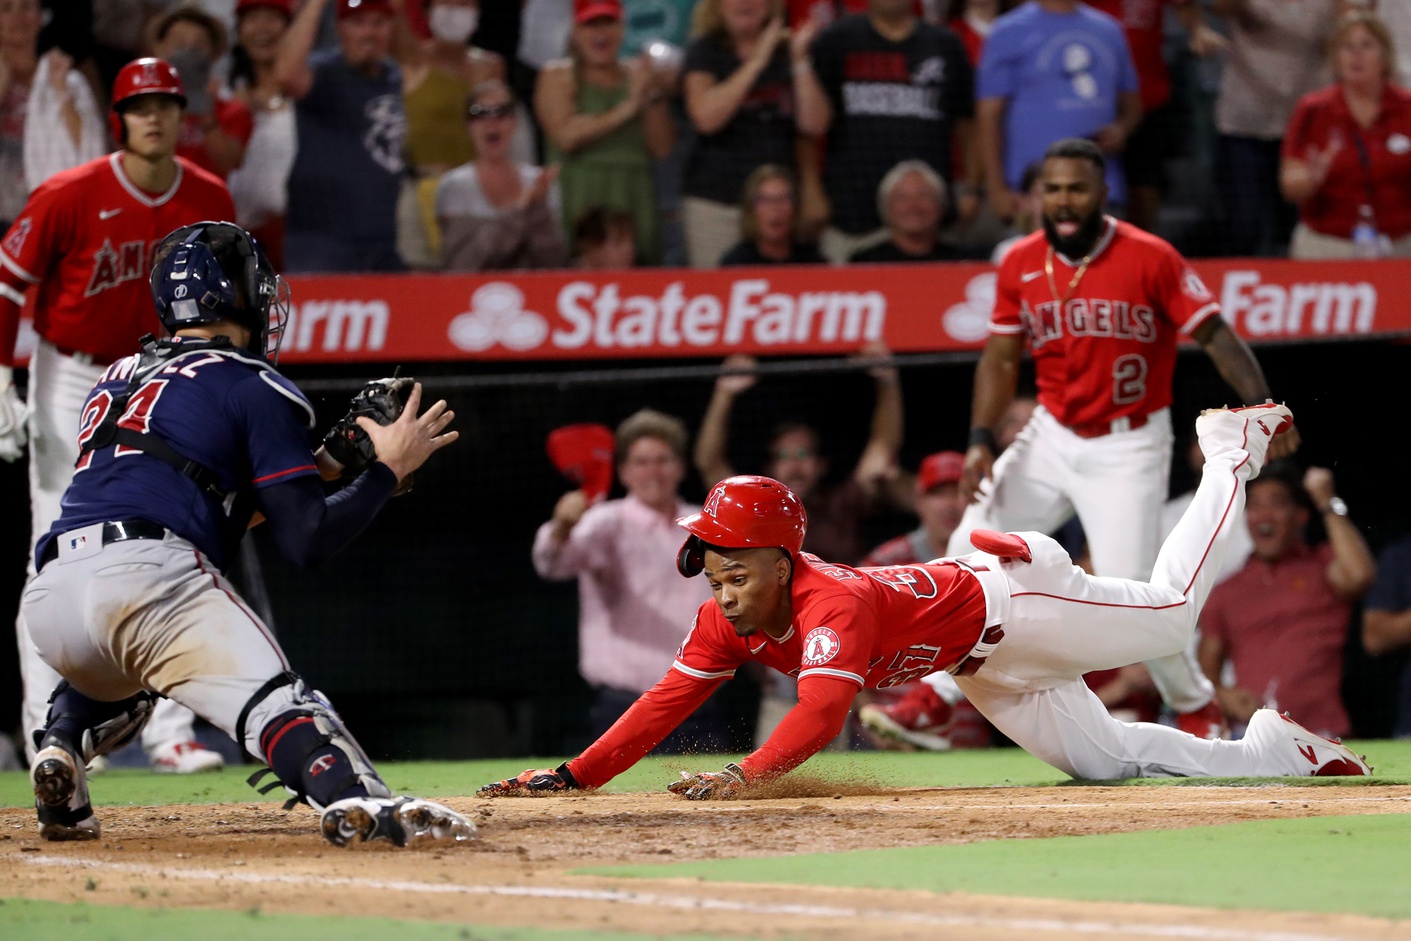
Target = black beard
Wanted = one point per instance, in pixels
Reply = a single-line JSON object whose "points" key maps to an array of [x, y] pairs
{"points": [[1080, 243]]}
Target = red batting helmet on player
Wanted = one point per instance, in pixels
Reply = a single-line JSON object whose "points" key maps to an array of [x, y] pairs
{"points": [[148, 76], [743, 512]]}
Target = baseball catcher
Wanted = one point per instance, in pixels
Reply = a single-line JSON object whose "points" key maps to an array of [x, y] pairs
{"points": [[1016, 623], [180, 445]]}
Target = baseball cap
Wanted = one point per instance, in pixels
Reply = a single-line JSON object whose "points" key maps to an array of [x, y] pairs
{"points": [[943, 467], [283, 6], [585, 10], [347, 8]]}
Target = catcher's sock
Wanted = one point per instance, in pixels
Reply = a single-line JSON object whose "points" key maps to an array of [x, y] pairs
{"points": [[71, 714], [305, 760]]}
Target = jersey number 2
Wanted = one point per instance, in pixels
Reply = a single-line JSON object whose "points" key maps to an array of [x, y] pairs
{"points": [[136, 417]]}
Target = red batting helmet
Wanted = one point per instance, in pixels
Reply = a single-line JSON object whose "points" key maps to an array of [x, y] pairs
{"points": [[743, 512], [149, 76]]}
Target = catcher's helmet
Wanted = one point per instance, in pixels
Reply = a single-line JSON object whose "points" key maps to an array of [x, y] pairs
{"points": [[147, 76], [217, 271], [743, 512]]}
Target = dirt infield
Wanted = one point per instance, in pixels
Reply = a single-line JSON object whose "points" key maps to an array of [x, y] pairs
{"points": [[245, 856]]}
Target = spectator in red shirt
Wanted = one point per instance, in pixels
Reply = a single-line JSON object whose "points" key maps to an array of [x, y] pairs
{"points": [[215, 128], [972, 20], [1282, 619], [1347, 155]]}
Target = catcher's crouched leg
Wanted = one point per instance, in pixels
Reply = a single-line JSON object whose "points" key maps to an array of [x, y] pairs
{"points": [[304, 742]]}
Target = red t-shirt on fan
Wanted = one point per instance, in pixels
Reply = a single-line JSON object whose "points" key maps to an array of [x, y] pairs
{"points": [[86, 239], [1322, 119], [1108, 351], [829, 10], [1142, 22]]}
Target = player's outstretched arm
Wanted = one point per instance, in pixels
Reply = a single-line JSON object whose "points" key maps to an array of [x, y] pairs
{"points": [[996, 377], [408, 442]]}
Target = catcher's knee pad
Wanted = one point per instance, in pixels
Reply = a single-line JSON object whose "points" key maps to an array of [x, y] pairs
{"points": [[92, 726], [303, 740]]}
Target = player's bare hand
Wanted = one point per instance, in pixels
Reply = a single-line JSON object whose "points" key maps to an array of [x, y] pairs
{"points": [[1283, 444], [979, 461], [533, 781], [567, 512], [737, 373], [406, 444], [1318, 481], [710, 785]]}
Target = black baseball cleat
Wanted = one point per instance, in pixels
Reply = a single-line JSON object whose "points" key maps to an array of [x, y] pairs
{"points": [[61, 796], [405, 821]]}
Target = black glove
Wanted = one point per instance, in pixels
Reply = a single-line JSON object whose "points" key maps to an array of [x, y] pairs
{"points": [[710, 785], [382, 400], [542, 780]]}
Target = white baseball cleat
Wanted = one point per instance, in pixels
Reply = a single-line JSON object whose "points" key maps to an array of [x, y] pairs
{"points": [[61, 797], [402, 820], [185, 758], [1304, 753], [1248, 429]]}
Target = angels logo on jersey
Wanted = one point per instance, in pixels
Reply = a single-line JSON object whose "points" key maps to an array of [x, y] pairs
{"points": [[14, 242], [820, 645], [1195, 288], [114, 266]]}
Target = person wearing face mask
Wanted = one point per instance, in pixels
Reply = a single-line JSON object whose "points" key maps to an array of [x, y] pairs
{"points": [[438, 74], [216, 128]]}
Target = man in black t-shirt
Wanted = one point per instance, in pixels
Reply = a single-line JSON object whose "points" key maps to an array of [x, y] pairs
{"points": [[884, 87], [912, 201]]}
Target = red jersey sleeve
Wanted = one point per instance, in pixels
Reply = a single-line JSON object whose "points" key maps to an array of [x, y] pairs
{"points": [[817, 719], [711, 651], [1005, 319], [1298, 136], [28, 250], [1185, 299]]}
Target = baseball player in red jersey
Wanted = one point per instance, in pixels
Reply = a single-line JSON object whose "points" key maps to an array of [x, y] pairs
{"points": [[1101, 306], [84, 242], [1016, 623]]}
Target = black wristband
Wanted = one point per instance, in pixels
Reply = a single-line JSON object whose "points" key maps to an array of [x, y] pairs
{"points": [[983, 436], [568, 779]]}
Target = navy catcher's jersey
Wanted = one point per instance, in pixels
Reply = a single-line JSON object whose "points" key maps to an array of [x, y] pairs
{"points": [[222, 407]]}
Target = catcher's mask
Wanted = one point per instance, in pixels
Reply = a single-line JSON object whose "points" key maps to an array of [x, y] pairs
{"points": [[743, 512], [213, 271]]}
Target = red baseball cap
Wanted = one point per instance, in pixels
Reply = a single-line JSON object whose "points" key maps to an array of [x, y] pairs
{"points": [[943, 467], [585, 10], [347, 8]]}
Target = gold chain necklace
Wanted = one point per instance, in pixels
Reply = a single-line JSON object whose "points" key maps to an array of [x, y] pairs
{"points": [[1073, 284]]}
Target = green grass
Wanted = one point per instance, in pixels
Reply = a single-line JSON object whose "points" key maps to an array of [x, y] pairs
{"points": [[1351, 864], [22, 919], [986, 768]]}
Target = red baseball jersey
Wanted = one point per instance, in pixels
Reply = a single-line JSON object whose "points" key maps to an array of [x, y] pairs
{"points": [[852, 628], [1107, 351], [85, 240]]}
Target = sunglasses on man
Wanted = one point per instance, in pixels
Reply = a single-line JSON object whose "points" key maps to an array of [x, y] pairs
{"points": [[476, 112]]}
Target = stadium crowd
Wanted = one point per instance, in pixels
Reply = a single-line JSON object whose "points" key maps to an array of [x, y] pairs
{"points": [[376, 135]]}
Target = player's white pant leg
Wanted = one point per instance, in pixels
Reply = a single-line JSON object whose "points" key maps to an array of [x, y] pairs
{"points": [[152, 614], [58, 386], [1026, 488], [1068, 727], [1120, 485]]}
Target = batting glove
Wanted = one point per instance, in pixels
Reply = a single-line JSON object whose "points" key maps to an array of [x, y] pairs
{"points": [[13, 413], [710, 785], [541, 780]]}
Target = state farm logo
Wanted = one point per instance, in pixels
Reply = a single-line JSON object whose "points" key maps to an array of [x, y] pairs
{"points": [[601, 316], [497, 315], [337, 326], [969, 321]]}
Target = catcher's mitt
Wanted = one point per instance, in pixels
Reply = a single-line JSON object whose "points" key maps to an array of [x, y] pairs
{"points": [[381, 400]]}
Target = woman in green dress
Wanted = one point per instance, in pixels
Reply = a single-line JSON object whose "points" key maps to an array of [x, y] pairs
{"points": [[605, 122]]}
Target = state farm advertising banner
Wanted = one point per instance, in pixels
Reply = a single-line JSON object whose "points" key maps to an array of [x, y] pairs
{"points": [[794, 310]]}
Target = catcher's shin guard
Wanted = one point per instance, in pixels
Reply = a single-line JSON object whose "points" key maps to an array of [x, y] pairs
{"points": [[303, 740], [94, 727]]}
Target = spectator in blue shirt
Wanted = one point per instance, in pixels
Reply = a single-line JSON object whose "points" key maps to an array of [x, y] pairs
{"points": [[1052, 69], [1386, 620], [347, 174]]}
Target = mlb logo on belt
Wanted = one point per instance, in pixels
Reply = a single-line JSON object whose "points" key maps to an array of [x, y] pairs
{"points": [[77, 542]]}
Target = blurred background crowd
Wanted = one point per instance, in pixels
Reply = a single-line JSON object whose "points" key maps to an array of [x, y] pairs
{"points": [[456, 135]]}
